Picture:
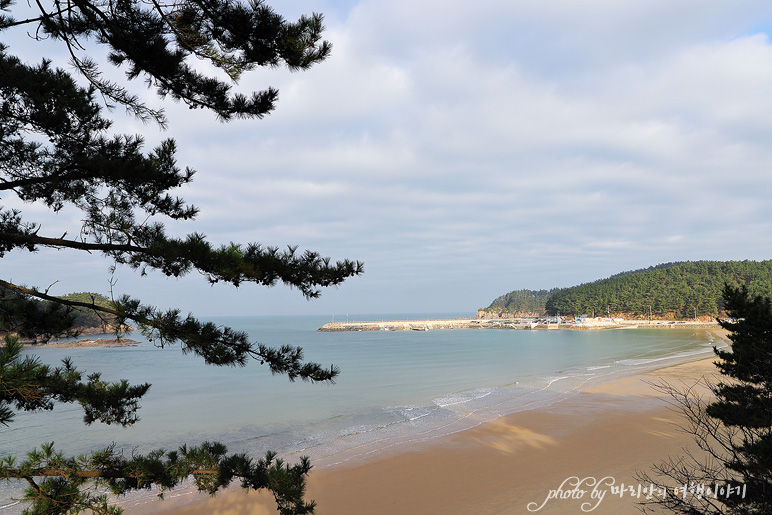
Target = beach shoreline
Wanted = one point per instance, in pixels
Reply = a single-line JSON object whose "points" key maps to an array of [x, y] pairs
{"points": [[85, 343], [606, 431]]}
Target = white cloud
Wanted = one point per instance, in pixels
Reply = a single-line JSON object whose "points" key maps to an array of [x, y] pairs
{"points": [[499, 145]]}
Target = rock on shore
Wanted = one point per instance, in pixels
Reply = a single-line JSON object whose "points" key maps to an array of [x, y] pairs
{"points": [[100, 342]]}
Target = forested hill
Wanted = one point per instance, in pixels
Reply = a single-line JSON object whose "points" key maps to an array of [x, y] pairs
{"points": [[518, 303], [86, 318], [670, 291]]}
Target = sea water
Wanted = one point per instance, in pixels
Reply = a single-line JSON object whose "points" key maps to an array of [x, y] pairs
{"points": [[395, 387]]}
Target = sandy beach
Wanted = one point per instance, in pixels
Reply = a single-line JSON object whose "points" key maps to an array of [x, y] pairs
{"points": [[505, 466]]}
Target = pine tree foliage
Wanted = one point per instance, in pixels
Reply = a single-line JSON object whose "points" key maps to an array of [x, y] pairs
{"points": [[75, 485], [30, 318], [733, 430], [672, 290], [57, 150], [30, 386], [744, 401]]}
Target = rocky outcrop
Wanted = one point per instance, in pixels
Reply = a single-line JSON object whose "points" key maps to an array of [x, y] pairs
{"points": [[100, 342]]}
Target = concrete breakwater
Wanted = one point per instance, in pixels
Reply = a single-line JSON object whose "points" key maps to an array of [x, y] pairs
{"points": [[476, 323], [404, 325]]}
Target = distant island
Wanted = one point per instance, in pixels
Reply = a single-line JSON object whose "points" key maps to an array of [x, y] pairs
{"points": [[688, 290]]}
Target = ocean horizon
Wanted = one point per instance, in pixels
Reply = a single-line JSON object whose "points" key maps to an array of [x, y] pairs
{"points": [[395, 387]]}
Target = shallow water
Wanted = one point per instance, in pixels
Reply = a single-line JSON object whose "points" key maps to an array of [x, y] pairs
{"points": [[395, 387]]}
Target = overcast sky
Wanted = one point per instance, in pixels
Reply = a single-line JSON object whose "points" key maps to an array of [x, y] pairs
{"points": [[465, 149]]}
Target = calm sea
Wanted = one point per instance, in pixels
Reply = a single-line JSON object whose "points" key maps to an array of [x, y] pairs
{"points": [[394, 387]]}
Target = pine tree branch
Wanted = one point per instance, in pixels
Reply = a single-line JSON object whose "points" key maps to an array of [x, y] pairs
{"points": [[22, 239], [54, 151], [85, 473], [72, 303], [218, 346], [229, 263], [209, 465], [29, 385]]}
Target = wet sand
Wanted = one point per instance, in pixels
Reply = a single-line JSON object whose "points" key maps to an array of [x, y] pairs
{"points": [[505, 466]]}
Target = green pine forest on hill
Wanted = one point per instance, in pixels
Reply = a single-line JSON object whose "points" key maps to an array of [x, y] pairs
{"points": [[671, 291], [83, 317]]}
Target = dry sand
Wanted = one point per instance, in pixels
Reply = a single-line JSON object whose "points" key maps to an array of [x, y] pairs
{"points": [[610, 431]]}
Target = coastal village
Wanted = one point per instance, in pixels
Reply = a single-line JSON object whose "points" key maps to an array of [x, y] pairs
{"points": [[583, 322]]}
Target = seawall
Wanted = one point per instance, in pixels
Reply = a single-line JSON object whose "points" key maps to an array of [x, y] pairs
{"points": [[403, 325]]}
